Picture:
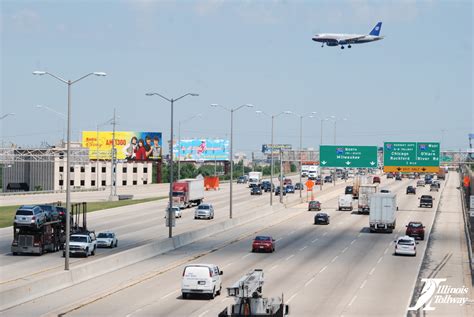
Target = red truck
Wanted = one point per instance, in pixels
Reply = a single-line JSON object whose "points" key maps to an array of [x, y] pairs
{"points": [[188, 192]]}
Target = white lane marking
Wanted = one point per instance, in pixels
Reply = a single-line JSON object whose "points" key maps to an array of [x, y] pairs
{"points": [[345, 249], [352, 300], [291, 298], [278, 239], [372, 271], [314, 240], [203, 313], [352, 242], [358, 236], [291, 233], [323, 269], [136, 311], [335, 258], [380, 259], [325, 234], [289, 257], [227, 298], [303, 248], [363, 284], [246, 255], [273, 267], [386, 250], [169, 294], [309, 282], [230, 263]]}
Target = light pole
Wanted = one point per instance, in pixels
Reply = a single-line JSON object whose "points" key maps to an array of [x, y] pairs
{"points": [[335, 119], [69, 83], [312, 115], [272, 148], [6, 115], [179, 141], [231, 110], [171, 101], [97, 151]]}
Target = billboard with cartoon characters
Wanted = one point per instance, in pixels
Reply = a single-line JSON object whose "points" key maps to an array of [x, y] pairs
{"points": [[200, 150]]}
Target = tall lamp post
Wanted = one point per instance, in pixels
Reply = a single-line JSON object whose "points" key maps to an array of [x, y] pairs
{"points": [[272, 116], [6, 115], [62, 115], [171, 101], [179, 140], [99, 125], [335, 119], [312, 115], [69, 83], [231, 110]]}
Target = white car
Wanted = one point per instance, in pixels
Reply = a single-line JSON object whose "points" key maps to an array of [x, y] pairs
{"points": [[405, 245], [107, 240], [176, 210], [201, 279], [204, 211]]}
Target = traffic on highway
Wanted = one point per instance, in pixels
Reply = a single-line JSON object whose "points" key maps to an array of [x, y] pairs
{"points": [[207, 158]]}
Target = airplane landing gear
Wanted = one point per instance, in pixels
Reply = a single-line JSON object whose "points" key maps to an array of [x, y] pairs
{"points": [[349, 46], [342, 47], [322, 45]]}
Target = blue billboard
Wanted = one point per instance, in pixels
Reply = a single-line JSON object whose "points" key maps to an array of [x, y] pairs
{"points": [[200, 150]]}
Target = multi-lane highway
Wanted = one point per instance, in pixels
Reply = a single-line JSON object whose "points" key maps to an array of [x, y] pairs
{"points": [[337, 270]]}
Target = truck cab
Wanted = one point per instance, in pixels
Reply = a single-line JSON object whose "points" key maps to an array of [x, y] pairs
{"points": [[83, 243]]}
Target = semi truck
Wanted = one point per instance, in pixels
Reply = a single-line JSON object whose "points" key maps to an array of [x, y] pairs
{"points": [[49, 236], [255, 178], [441, 173], [358, 181], [188, 192], [383, 212], [365, 192]]}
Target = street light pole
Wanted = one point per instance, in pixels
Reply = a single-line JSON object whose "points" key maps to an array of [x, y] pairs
{"points": [[231, 110], [170, 195], [69, 83]]}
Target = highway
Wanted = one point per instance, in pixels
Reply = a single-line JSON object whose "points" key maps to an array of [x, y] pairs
{"points": [[337, 270]]}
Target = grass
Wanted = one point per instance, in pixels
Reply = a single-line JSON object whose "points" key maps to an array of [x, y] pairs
{"points": [[8, 212]]}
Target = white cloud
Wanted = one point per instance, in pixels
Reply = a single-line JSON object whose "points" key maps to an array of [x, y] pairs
{"points": [[26, 20]]}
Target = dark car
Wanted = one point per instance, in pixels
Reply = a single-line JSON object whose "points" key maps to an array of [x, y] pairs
{"points": [[255, 190], [426, 201], [411, 190], [242, 180], [321, 218], [415, 229], [428, 181], [51, 212], [398, 177], [277, 191], [287, 181], [434, 187], [389, 175], [328, 179], [314, 205], [299, 186], [385, 191], [267, 186], [290, 189], [376, 179], [349, 190], [263, 243]]}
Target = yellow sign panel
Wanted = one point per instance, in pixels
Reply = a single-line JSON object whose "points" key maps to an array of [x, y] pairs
{"points": [[411, 169]]}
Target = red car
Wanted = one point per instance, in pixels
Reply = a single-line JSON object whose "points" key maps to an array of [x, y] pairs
{"points": [[376, 179], [415, 229], [263, 243]]}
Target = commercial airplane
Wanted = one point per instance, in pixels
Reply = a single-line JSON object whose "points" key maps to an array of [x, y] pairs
{"points": [[348, 39]]}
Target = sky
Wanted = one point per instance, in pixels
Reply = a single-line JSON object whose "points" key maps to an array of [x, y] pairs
{"points": [[414, 85]]}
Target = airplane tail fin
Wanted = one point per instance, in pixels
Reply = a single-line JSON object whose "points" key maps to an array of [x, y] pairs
{"points": [[376, 30]]}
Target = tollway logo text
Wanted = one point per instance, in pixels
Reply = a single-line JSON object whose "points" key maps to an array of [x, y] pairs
{"points": [[434, 293]]}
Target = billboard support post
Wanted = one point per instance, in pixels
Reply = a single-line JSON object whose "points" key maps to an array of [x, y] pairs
{"points": [[179, 141], [170, 204]]}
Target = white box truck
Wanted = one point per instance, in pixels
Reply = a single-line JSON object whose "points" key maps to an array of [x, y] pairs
{"points": [[365, 191], [383, 212], [345, 202], [188, 192], [255, 178]]}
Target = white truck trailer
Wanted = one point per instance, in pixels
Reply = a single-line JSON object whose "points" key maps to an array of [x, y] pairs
{"points": [[188, 192], [255, 178], [383, 212], [365, 192]]}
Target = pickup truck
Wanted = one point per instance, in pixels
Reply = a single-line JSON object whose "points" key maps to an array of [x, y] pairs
{"points": [[426, 201], [82, 243]]}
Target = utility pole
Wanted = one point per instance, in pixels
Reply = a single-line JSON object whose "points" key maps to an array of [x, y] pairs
{"points": [[113, 172]]}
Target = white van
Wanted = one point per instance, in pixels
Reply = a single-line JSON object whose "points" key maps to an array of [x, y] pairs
{"points": [[201, 279]]}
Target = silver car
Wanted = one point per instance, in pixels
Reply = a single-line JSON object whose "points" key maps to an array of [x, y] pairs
{"points": [[204, 211], [30, 216], [107, 240]]}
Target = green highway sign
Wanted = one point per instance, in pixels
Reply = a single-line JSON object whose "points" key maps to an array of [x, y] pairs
{"points": [[413, 154], [351, 156]]}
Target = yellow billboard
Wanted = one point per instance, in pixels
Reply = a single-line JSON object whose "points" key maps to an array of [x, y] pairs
{"points": [[129, 145]]}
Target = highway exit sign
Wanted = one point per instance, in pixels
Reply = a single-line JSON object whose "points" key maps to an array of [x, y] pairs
{"points": [[411, 156], [350, 156]]}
